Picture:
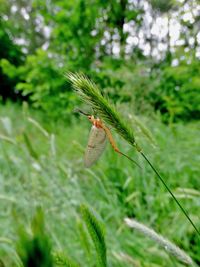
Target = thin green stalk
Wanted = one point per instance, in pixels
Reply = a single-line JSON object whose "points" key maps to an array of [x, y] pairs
{"points": [[169, 190], [92, 96]]}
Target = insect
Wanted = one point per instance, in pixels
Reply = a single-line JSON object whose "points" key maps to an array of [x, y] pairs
{"points": [[98, 136]]}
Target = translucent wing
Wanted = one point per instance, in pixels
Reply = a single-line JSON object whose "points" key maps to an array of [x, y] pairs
{"points": [[96, 145]]}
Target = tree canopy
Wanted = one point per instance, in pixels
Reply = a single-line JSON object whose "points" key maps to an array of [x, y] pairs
{"points": [[156, 42]]}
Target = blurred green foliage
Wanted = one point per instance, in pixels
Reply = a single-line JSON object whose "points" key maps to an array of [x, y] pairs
{"points": [[178, 93], [42, 81], [41, 40], [35, 250], [10, 52]]}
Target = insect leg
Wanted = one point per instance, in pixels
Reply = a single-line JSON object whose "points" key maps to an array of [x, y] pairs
{"points": [[110, 138]]}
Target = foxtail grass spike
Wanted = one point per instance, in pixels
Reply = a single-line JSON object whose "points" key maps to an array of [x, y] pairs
{"points": [[96, 232], [160, 240], [91, 95]]}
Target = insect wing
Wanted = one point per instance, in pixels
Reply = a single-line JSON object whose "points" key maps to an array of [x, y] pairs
{"points": [[96, 145]]}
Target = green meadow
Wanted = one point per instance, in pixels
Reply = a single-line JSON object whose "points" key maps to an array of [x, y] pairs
{"points": [[41, 165]]}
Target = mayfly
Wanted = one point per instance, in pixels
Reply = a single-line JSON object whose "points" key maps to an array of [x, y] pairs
{"points": [[98, 136]]}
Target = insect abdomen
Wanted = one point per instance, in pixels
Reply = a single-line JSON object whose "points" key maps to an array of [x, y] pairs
{"points": [[96, 146]]}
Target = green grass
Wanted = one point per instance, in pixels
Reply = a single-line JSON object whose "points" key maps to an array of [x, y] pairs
{"points": [[47, 171]]}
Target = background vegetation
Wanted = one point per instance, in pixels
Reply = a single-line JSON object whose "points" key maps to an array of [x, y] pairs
{"points": [[144, 56]]}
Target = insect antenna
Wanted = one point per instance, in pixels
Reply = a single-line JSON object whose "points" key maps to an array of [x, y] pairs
{"points": [[77, 110]]}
